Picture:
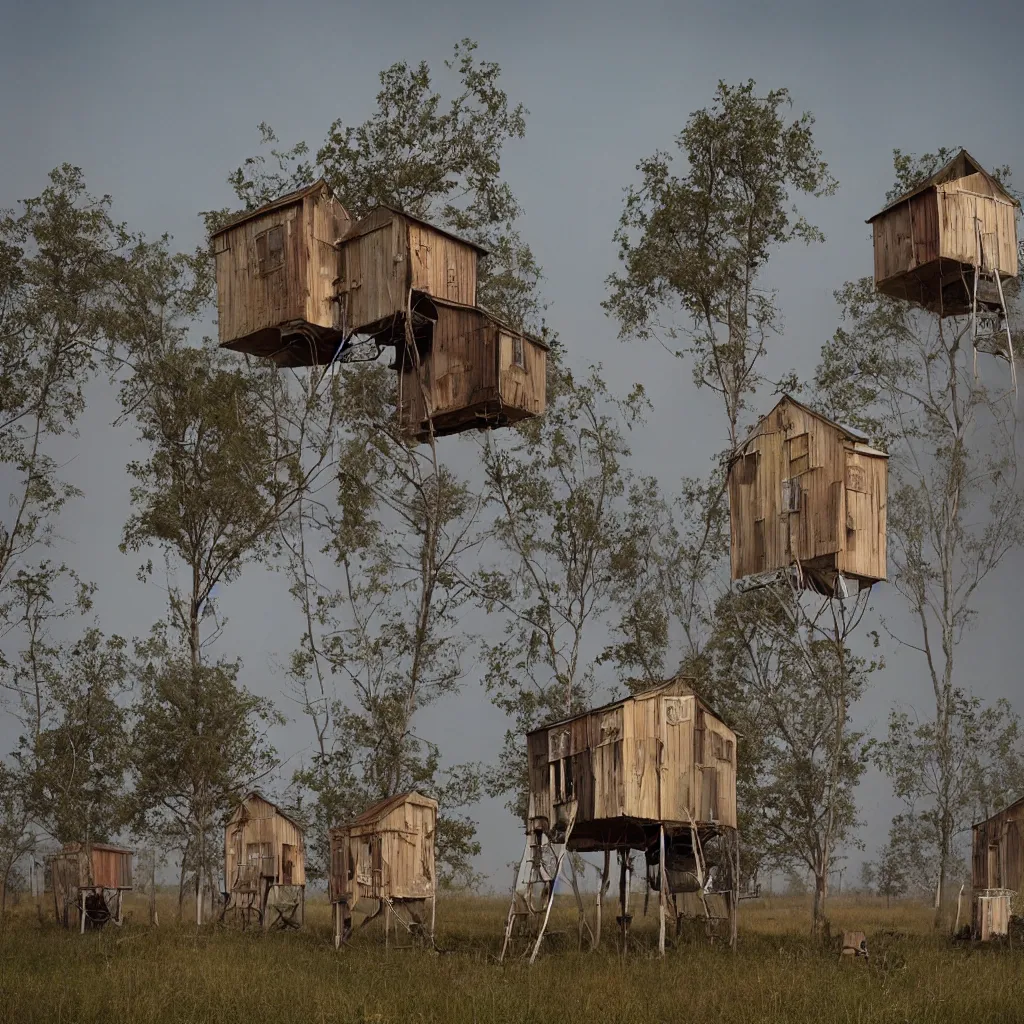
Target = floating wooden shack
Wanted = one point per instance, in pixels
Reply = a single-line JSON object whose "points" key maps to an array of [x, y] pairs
{"points": [[89, 881], [264, 865], [382, 862], [810, 494], [277, 276], [654, 772], [997, 871], [929, 241], [469, 371]]}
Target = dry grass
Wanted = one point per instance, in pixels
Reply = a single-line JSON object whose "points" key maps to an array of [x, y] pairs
{"points": [[137, 974]]}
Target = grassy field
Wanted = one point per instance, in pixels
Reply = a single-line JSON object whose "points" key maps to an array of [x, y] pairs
{"points": [[174, 973]]}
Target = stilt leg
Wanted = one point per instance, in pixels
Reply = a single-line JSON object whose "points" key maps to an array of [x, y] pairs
{"points": [[550, 904], [600, 898], [82, 914], [662, 887], [433, 916]]}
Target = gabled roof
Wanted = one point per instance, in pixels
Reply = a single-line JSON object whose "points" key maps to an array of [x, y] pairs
{"points": [[503, 324], [286, 200], [959, 167], [106, 847], [999, 814], [849, 432], [680, 683], [370, 223], [277, 810], [388, 804]]}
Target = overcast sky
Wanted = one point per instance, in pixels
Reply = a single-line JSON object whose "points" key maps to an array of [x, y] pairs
{"points": [[158, 102]]}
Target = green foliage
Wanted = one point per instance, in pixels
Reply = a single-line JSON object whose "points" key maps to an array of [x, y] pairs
{"points": [[76, 766], [697, 244], [568, 521], [198, 744], [437, 160], [386, 644]]}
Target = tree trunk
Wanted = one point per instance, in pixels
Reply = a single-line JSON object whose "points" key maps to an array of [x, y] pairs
{"points": [[819, 922]]}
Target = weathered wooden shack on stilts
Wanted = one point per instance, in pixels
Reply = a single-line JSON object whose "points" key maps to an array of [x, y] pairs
{"points": [[655, 773], [808, 495], [89, 881], [264, 865], [382, 862], [997, 871]]}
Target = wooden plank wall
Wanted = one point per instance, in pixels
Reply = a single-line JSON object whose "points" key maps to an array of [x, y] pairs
{"points": [[247, 302], [523, 389], [791, 445], [407, 836], [260, 823], [375, 269], [641, 759], [906, 237], [442, 266], [997, 851], [458, 368], [959, 205], [325, 222], [865, 495]]}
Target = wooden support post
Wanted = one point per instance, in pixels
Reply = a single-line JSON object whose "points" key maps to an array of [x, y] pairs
{"points": [[81, 893], [153, 920], [662, 887], [433, 916], [600, 899], [734, 916]]}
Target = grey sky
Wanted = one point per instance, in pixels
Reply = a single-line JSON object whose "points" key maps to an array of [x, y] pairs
{"points": [[158, 102]]}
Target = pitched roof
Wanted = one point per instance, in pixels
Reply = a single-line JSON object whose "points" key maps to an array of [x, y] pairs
{"points": [[677, 681], [360, 227], [107, 847], [850, 432], [502, 323], [998, 814], [959, 167], [277, 809], [286, 200], [382, 807]]}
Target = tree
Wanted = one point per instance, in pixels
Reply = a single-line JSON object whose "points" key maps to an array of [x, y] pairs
{"points": [[389, 631], [76, 767], [437, 161], [982, 754], [561, 497], [694, 248], [955, 507], [787, 678], [17, 837], [199, 743], [887, 873]]}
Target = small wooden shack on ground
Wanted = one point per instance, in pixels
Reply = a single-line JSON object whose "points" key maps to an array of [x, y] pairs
{"points": [[469, 371], [89, 881], [277, 277], [654, 772], [382, 862], [997, 871], [810, 494], [929, 241], [264, 865]]}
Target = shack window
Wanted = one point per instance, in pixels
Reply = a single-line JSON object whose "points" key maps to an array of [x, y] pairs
{"points": [[518, 353], [564, 787], [270, 249]]}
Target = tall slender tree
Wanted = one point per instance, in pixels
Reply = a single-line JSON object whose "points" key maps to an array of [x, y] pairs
{"points": [[955, 504]]}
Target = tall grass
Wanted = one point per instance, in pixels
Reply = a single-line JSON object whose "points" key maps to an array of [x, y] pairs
{"points": [[176, 973]]}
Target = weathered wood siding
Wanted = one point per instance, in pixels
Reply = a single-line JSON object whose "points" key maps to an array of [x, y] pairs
{"points": [[997, 851], [906, 237], [375, 270], [648, 758], [799, 490], [248, 301], [257, 834], [392, 856], [441, 265], [960, 204], [300, 286], [523, 388]]}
